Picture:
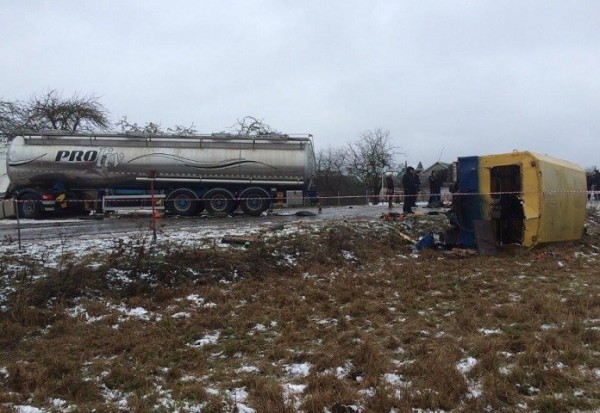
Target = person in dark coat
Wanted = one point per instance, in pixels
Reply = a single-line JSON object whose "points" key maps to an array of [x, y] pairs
{"points": [[410, 185], [435, 190], [418, 184], [389, 188], [596, 184]]}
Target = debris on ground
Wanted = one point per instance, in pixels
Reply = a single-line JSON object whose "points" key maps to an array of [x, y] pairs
{"points": [[424, 230], [238, 239]]}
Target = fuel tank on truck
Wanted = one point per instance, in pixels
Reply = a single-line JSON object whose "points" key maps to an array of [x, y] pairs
{"points": [[125, 161]]}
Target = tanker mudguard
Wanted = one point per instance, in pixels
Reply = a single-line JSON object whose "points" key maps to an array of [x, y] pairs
{"points": [[197, 163]]}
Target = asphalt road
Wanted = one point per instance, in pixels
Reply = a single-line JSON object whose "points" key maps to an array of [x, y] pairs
{"points": [[31, 230]]}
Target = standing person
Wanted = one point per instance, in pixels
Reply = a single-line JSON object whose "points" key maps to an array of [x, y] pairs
{"points": [[389, 185], [417, 174], [410, 185], [596, 183], [435, 190]]}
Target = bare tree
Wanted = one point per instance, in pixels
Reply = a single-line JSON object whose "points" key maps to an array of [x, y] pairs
{"points": [[331, 164], [151, 128], [250, 126], [370, 156], [51, 111], [12, 118]]}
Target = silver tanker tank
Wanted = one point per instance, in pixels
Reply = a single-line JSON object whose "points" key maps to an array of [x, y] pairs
{"points": [[193, 165]]}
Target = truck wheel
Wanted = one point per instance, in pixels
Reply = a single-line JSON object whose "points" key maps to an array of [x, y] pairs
{"points": [[29, 206], [254, 201], [219, 201], [183, 202]]}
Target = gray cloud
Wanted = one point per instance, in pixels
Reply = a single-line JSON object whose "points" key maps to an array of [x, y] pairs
{"points": [[468, 77]]}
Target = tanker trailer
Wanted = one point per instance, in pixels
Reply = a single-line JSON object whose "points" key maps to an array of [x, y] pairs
{"points": [[216, 172]]}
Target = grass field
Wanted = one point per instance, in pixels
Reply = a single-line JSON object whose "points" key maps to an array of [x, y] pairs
{"points": [[340, 317]]}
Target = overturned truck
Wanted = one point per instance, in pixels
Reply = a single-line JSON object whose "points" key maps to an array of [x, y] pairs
{"points": [[518, 198]]}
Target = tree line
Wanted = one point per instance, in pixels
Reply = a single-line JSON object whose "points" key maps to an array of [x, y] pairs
{"points": [[351, 169]]}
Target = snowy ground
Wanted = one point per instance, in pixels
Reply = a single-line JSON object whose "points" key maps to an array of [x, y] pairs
{"points": [[417, 319]]}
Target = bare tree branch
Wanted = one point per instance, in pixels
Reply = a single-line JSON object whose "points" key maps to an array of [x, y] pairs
{"points": [[250, 126], [151, 128]]}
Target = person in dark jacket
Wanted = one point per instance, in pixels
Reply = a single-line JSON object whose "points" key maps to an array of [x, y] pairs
{"points": [[596, 184], [418, 184], [389, 188], [411, 188], [435, 190]]}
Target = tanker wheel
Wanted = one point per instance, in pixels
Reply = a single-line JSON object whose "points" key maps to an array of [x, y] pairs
{"points": [[219, 201], [183, 203], [30, 207], [254, 201]]}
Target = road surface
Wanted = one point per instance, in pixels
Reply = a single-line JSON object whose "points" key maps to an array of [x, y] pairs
{"points": [[32, 230]]}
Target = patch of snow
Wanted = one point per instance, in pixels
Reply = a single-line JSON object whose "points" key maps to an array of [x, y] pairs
{"points": [[331, 321], [341, 372], [137, 312], [506, 370], [292, 393], [466, 365], [195, 299], [247, 369], [348, 255], [115, 396], [212, 391], [182, 314], [404, 362], [490, 331], [369, 392], [396, 380], [79, 310], [515, 298], [206, 340], [28, 409], [75, 311], [475, 389], [239, 396], [259, 327], [188, 378], [300, 369], [60, 403]]}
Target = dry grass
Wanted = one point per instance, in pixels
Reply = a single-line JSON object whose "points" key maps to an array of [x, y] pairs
{"points": [[343, 319]]}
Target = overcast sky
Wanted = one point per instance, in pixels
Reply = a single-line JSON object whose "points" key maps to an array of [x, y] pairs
{"points": [[449, 78]]}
